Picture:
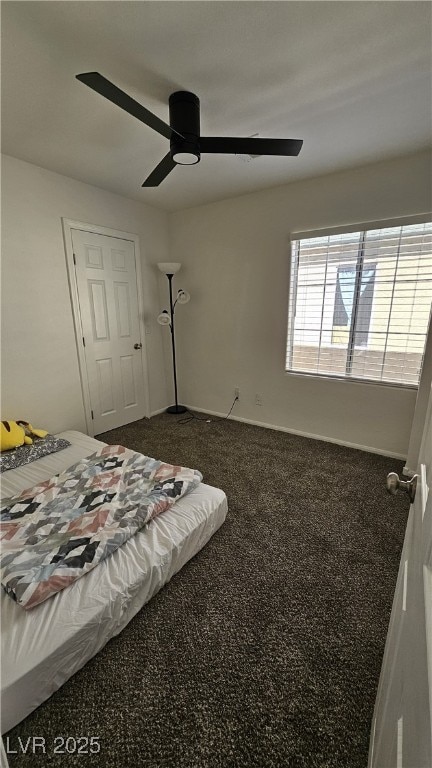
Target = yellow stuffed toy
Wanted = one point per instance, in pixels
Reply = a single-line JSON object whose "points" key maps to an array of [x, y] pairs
{"points": [[16, 433]]}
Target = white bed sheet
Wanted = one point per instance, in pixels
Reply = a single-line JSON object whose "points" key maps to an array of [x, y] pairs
{"points": [[45, 646]]}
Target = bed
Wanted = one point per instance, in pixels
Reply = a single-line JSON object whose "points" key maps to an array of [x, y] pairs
{"points": [[36, 660]]}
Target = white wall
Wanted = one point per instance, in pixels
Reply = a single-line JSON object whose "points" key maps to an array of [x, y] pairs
{"points": [[233, 332], [40, 375]]}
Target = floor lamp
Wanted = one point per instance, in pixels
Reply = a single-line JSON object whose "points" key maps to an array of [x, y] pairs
{"points": [[170, 269]]}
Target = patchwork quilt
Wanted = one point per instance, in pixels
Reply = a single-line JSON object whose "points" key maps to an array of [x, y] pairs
{"points": [[54, 533]]}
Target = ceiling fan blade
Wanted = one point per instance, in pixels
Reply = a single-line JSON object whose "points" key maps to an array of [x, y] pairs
{"points": [[101, 85], [160, 172], [229, 146]]}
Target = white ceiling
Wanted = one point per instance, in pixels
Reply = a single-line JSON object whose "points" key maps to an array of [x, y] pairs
{"points": [[353, 79]]}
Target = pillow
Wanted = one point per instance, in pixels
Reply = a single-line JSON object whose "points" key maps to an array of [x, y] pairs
{"points": [[24, 454]]}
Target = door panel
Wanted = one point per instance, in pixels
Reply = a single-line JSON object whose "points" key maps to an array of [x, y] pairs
{"points": [[128, 383], [99, 310], [402, 727], [106, 386], [93, 256], [108, 299], [122, 305]]}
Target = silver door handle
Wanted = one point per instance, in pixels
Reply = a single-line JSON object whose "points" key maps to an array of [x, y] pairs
{"points": [[138, 345], [394, 484]]}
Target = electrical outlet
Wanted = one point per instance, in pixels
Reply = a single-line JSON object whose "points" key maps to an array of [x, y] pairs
{"points": [[258, 400], [237, 393]]}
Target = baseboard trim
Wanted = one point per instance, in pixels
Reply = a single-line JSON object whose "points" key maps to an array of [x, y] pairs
{"points": [[160, 410], [367, 448], [408, 472]]}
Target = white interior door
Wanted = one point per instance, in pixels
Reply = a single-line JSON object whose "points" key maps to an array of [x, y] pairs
{"points": [[108, 303], [402, 727]]}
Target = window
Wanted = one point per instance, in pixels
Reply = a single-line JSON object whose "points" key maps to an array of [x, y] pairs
{"points": [[359, 303]]}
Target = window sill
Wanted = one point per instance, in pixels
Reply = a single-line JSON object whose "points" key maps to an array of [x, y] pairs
{"points": [[351, 380]]}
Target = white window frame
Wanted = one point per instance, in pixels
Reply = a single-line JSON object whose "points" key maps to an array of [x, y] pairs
{"points": [[421, 218]]}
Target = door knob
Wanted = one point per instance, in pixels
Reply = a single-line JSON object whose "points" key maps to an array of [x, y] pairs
{"points": [[138, 345], [394, 484]]}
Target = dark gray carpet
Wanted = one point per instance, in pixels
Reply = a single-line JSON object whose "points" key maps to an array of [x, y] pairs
{"points": [[265, 650]]}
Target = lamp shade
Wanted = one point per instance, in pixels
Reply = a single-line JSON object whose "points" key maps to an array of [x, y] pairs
{"points": [[164, 318], [183, 296], [169, 267]]}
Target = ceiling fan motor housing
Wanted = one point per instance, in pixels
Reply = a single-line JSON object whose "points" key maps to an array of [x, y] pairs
{"points": [[184, 112]]}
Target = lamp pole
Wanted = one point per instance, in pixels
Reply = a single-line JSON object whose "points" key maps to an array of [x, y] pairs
{"points": [[173, 408], [170, 269]]}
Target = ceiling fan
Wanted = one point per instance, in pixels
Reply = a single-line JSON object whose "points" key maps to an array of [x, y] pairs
{"points": [[186, 142]]}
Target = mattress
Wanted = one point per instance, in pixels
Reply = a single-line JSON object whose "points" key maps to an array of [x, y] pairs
{"points": [[45, 646]]}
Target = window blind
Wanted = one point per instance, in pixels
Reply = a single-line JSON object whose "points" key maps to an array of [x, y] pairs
{"points": [[359, 303]]}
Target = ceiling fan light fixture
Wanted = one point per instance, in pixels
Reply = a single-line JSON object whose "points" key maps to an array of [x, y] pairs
{"points": [[185, 158]]}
